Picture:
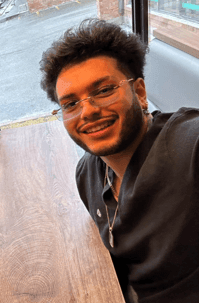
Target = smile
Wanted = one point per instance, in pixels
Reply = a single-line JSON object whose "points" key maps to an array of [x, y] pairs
{"points": [[98, 128]]}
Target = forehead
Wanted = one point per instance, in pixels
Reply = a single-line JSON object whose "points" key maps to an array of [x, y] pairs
{"points": [[81, 75]]}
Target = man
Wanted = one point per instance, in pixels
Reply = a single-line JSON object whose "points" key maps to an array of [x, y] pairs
{"points": [[139, 175]]}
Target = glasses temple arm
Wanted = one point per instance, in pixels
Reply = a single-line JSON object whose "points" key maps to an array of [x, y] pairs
{"points": [[54, 112]]}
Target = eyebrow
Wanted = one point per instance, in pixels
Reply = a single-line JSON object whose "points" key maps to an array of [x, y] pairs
{"points": [[93, 85]]}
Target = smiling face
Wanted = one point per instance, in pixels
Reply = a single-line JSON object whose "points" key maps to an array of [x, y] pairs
{"points": [[101, 131]]}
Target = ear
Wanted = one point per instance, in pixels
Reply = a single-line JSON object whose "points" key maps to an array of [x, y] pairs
{"points": [[140, 91]]}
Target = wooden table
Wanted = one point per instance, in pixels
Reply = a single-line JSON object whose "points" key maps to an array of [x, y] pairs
{"points": [[51, 251]]}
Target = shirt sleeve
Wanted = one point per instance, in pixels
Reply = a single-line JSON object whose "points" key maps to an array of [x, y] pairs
{"points": [[182, 140]]}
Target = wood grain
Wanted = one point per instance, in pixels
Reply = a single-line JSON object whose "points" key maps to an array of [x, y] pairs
{"points": [[50, 249]]}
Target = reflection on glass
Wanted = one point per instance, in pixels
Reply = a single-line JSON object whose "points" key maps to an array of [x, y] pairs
{"points": [[161, 12], [187, 9]]}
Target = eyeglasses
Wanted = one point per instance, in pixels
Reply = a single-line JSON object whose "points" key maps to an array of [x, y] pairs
{"points": [[100, 97]]}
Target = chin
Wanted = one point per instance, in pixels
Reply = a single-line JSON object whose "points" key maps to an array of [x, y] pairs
{"points": [[100, 152], [125, 139], [105, 150]]}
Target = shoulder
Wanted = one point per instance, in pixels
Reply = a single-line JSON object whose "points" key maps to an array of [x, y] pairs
{"points": [[187, 115], [184, 122], [180, 135], [183, 115], [183, 125], [177, 143]]}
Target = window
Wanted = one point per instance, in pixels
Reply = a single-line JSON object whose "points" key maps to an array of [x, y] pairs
{"points": [[21, 54]]}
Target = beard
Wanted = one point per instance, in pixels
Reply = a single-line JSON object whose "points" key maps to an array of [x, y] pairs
{"points": [[129, 132]]}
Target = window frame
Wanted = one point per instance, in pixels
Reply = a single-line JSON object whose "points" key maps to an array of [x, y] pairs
{"points": [[140, 19]]}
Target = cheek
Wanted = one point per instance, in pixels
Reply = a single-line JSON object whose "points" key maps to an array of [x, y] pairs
{"points": [[124, 107], [70, 127], [126, 100]]}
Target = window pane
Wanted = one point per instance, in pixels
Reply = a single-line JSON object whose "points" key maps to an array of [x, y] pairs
{"points": [[128, 13], [172, 65], [174, 13]]}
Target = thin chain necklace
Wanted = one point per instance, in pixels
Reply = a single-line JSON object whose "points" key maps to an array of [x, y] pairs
{"points": [[111, 239]]}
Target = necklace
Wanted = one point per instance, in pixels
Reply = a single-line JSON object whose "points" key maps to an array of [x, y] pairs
{"points": [[111, 239]]}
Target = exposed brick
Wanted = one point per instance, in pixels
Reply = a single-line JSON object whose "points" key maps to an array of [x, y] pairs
{"points": [[38, 5], [107, 9], [110, 9]]}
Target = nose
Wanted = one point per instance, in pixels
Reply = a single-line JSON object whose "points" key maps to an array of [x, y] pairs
{"points": [[89, 110]]}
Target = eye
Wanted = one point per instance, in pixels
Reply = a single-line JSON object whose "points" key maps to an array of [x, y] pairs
{"points": [[70, 105], [105, 91]]}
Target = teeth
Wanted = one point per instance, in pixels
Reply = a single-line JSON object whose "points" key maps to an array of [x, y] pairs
{"points": [[97, 128]]}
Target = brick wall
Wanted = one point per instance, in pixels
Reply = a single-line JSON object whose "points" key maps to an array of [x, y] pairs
{"points": [[107, 9], [37, 5], [157, 21]]}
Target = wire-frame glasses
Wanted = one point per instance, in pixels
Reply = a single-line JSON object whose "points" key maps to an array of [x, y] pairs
{"points": [[100, 97]]}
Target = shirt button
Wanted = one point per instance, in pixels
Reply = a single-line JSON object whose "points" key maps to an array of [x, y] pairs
{"points": [[99, 213]]}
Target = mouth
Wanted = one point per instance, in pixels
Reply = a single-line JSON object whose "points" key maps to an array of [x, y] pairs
{"points": [[98, 128]]}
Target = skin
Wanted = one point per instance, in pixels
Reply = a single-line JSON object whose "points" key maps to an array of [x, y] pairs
{"points": [[125, 122]]}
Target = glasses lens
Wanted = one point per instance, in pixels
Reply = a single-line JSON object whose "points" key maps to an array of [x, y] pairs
{"points": [[67, 116], [106, 98], [103, 97]]}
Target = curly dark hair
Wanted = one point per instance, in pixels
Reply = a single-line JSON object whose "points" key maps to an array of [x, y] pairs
{"points": [[92, 38]]}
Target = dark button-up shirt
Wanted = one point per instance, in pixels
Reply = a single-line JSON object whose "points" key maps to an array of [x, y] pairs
{"points": [[156, 231]]}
